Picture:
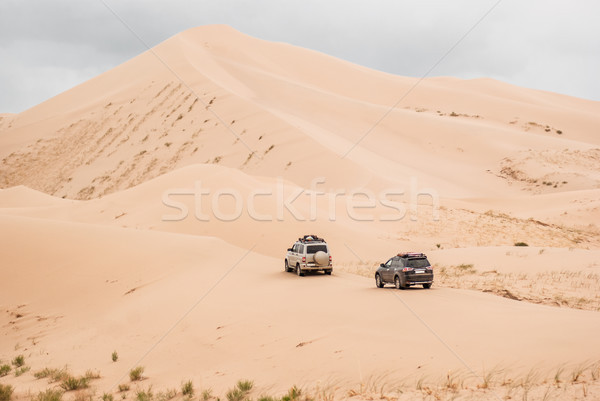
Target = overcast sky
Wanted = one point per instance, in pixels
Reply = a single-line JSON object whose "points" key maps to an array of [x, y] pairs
{"points": [[47, 47]]}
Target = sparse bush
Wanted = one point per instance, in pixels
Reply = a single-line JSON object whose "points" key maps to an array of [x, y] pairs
{"points": [[245, 385], [71, 383], [123, 387], [49, 395], [6, 391], [115, 356], [18, 361], [235, 394], [40, 374], [187, 388], [144, 395], [240, 391], [293, 394], [135, 374], [91, 374], [21, 370], [207, 394], [4, 370], [521, 244], [107, 397], [557, 379], [55, 375], [167, 395], [577, 372]]}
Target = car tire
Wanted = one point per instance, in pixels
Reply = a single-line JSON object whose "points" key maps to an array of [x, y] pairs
{"points": [[299, 271], [328, 272], [398, 283], [378, 281], [428, 285], [286, 266]]}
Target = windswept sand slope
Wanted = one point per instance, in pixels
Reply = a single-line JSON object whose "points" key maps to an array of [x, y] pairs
{"points": [[148, 211], [213, 95], [195, 306]]}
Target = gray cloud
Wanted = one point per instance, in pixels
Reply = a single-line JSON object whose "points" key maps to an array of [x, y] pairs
{"points": [[47, 47]]}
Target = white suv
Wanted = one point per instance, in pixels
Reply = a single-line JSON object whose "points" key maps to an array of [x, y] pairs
{"points": [[309, 253]]}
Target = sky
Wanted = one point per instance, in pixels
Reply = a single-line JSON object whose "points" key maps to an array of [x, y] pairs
{"points": [[49, 46]]}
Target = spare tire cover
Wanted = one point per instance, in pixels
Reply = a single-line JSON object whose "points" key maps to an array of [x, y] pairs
{"points": [[321, 258]]}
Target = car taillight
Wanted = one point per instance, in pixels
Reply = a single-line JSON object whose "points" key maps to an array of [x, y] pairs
{"points": [[408, 269], [303, 258]]}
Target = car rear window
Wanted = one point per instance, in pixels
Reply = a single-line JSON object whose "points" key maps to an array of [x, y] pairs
{"points": [[416, 263], [316, 248]]}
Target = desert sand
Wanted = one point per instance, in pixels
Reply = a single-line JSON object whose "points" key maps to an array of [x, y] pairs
{"points": [[109, 244]]}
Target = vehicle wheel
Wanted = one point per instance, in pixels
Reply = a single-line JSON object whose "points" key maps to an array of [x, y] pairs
{"points": [[328, 272], [378, 281], [397, 283], [286, 267], [427, 285], [299, 271]]}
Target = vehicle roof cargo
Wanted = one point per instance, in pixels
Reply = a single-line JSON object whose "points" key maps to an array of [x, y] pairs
{"points": [[412, 255], [311, 238]]}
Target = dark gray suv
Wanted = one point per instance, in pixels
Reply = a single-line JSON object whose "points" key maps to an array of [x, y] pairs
{"points": [[405, 270]]}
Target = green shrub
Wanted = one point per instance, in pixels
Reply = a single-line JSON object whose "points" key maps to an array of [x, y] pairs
{"points": [[71, 383], [55, 375], [144, 395], [187, 388], [107, 397], [240, 391], [123, 387], [521, 244], [21, 370], [49, 395], [41, 374], [18, 361], [135, 374], [235, 394], [115, 356], [245, 385], [207, 394], [90, 374], [293, 394], [4, 370], [6, 391], [167, 395]]}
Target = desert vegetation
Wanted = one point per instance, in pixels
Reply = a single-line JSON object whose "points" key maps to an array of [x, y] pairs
{"points": [[566, 381]]}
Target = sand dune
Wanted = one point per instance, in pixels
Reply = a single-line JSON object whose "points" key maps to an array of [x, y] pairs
{"points": [[123, 289], [225, 99], [108, 243]]}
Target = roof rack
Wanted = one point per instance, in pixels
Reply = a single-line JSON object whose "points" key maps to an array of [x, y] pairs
{"points": [[412, 255], [311, 238]]}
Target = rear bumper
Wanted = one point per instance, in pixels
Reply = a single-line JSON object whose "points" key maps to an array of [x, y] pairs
{"points": [[419, 282], [312, 267], [418, 279]]}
